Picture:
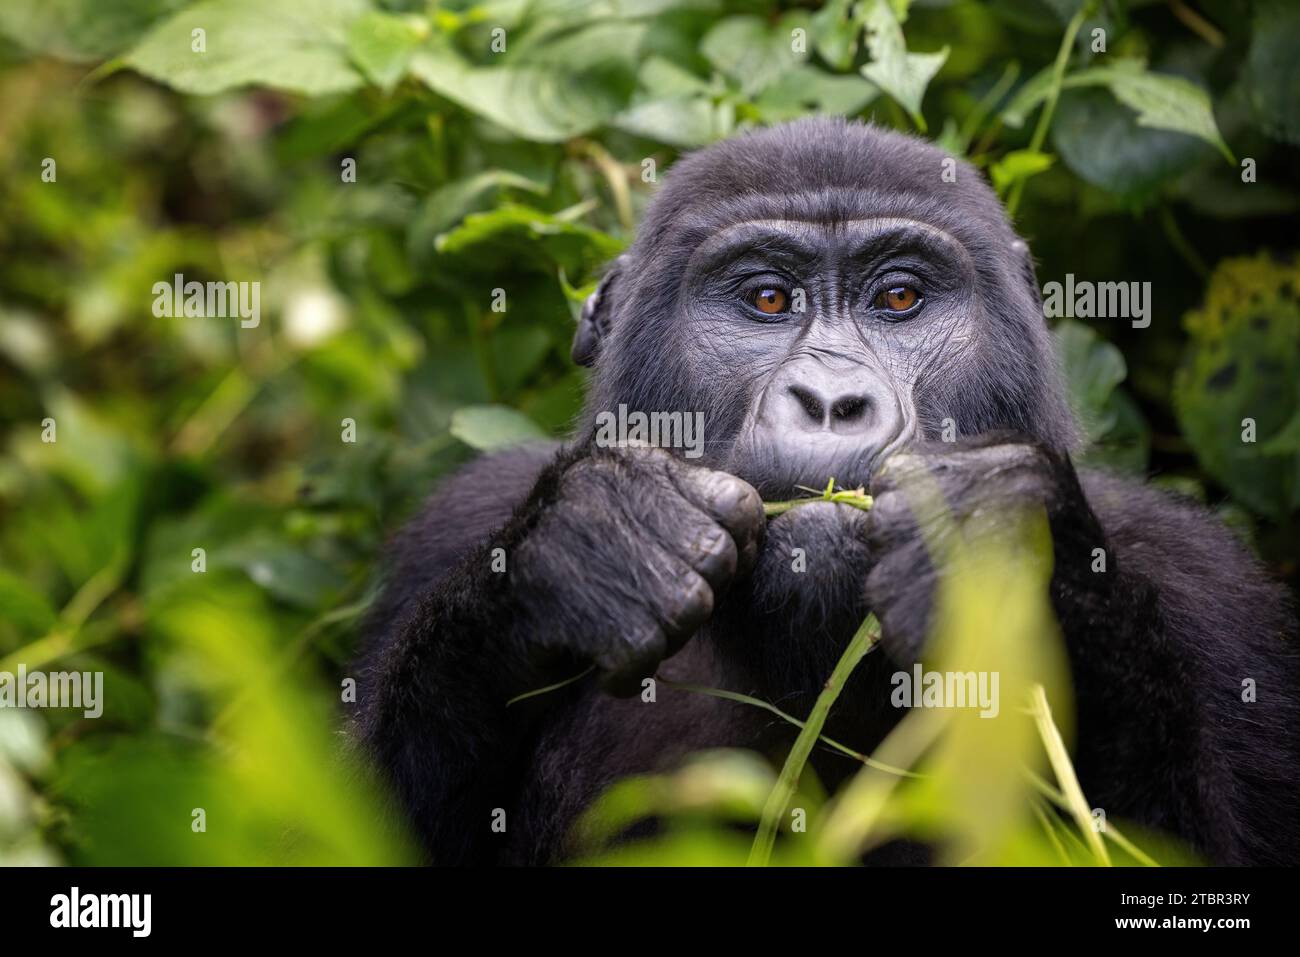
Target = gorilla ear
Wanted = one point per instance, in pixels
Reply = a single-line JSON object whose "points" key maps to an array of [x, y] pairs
{"points": [[595, 321], [1020, 249]]}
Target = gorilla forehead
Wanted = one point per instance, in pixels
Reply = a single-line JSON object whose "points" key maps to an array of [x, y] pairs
{"points": [[825, 171]]}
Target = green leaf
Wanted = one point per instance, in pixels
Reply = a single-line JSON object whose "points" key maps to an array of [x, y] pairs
{"points": [[80, 29], [664, 78], [1028, 98], [682, 121], [542, 102], [837, 30], [674, 106], [1093, 368], [1115, 432], [24, 607], [1101, 141], [382, 44], [1161, 101], [1016, 166], [950, 139], [300, 47], [557, 237], [600, 43], [448, 205], [1285, 442], [1271, 78], [810, 90], [752, 53], [1243, 363], [902, 75], [490, 427]]}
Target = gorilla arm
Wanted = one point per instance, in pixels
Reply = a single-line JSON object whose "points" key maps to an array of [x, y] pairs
{"points": [[1159, 643], [612, 558], [429, 710]]}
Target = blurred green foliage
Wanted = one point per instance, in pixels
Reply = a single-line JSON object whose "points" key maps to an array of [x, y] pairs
{"points": [[517, 161]]}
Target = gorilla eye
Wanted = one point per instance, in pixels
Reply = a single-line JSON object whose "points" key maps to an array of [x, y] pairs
{"points": [[770, 300], [897, 298]]}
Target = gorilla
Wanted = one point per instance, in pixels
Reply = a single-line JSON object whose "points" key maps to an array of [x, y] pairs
{"points": [[825, 300]]}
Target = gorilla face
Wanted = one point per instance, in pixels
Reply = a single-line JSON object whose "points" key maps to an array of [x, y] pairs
{"points": [[830, 331], [823, 294]]}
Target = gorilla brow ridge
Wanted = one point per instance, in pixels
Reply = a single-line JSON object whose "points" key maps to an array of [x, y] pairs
{"points": [[879, 227]]}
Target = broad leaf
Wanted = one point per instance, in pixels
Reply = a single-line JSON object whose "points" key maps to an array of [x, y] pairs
{"points": [[752, 53], [1102, 141], [837, 31], [1271, 79], [1016, 166], [301, 47], [80, 29], [382, 45], [902, 75], [543, 102], [682, 121], [1114, 431], [556, 236], [810, 90], [447, 206], [489, 427], [1242, 366], [1162, 101]]}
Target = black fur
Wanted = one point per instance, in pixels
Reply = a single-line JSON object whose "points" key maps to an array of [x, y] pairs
{"points": [[627, 557]]}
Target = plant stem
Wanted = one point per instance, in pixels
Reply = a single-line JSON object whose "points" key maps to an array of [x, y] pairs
{"points": [[1065, 776], [986, 104], [1202, 27], [1111, 831], [773, 709], [1049, 107], [64, 637], [615, 176], [857, 499], [863, 639], [555, 687], [1181, 246]]}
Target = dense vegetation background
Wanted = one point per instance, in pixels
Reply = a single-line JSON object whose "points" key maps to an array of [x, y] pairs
{"points": [[127, 156]]}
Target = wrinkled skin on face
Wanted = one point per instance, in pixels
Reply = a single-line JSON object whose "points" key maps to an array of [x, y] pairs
{"points": [[836, 381], [831, 305]]}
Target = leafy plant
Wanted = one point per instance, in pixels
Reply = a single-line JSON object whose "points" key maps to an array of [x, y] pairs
{"points": [[383, 168]]}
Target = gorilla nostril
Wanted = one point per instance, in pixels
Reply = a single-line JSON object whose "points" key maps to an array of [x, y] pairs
{"points": [[812, 404], [849, 409]]}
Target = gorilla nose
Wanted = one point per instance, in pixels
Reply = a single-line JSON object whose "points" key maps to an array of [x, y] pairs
{"points": [[820, 418], [808, 409]]}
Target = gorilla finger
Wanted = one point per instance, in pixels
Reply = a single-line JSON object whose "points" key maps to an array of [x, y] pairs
{"points": [[631, 659], [732, 501], [900, 598], [689, 607], [898, 471], [890, 522], [691, 535], [713, 555]]}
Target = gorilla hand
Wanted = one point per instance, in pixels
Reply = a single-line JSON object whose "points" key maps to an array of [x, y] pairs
{"points": [[931, 492], [661, 537]]}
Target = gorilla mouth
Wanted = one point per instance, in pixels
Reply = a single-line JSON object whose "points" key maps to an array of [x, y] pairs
{"points": [[779, 455], [779, 465]]}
